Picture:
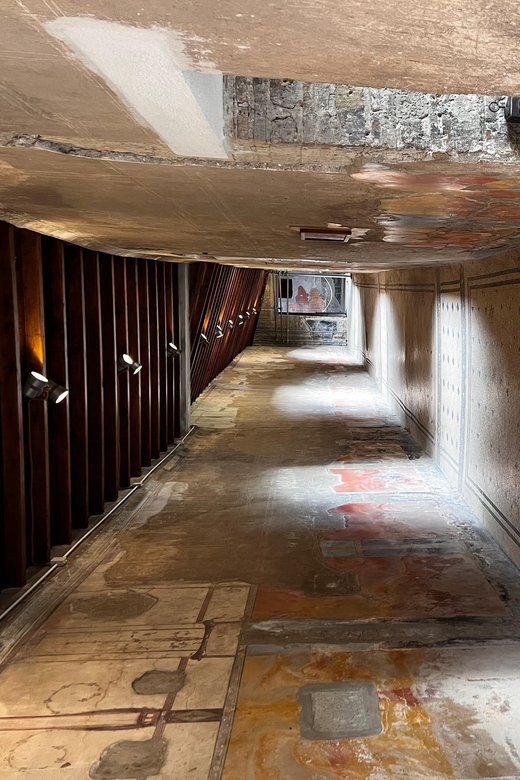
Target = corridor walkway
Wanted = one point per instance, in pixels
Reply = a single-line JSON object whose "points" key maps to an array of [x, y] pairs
{"points": [[298, 595]]}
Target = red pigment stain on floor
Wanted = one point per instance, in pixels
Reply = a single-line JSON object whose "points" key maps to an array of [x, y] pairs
{"points": [[394, 520], [377, 480]]}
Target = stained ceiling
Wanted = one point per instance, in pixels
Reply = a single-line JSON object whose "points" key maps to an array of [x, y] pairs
{"points": [[87, 150]]}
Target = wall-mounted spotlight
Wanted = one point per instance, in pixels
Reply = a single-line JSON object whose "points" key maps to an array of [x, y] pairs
{"points": [[248, 315], [173, 349], [38, 386], [220, 332], [240, 319], [254, 310], [204, 338], [231, 324], [57, 393], [127, 363]]}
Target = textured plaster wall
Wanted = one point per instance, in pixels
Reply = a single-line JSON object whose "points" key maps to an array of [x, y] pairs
{"points": [[265, 112], [444, 346]]}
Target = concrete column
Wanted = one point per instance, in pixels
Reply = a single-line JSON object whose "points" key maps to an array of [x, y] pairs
{"points": [[184, 346]]}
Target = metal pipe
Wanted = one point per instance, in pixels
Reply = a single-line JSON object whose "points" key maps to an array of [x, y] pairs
{"points": [[75, 546]]}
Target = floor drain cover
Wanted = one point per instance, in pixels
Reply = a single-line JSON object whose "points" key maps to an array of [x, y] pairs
{"points": [[339, 710]]}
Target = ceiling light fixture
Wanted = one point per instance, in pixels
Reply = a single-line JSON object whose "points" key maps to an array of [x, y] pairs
{"points": [[241, 319], [173, 349], [231, 324], [220, 332], [38, 386], [127, 363], [204, 338], [325, 234]]}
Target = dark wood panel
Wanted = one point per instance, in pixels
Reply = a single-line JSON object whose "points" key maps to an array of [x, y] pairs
{"points": [[78, 403], [176, 360], [37, 460], [135, 381], [96, 429], [110, 392], [123, 376], [11, 418], [171, 360], [53, 261], [155, 447], [144, 341], [163, 361]]}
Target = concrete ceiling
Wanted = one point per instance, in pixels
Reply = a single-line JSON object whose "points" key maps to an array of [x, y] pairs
{"points": [[412, 214], [111, 133]]}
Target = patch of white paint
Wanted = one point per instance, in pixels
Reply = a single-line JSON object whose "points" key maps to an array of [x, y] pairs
{"points": [[149, 71]]}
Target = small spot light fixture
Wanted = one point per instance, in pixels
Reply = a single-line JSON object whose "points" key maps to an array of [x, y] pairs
{"points": [[248, 315], [241, 319], [231, 324], [204, 338], [173, 349], [38, 386], [127, 363], [220, 332], [254, 310]]}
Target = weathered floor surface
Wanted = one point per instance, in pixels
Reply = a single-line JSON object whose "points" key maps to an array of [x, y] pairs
{"points": [[299, 596]]}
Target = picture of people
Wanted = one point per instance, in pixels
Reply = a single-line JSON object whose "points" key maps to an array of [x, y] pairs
{"points": [[314, 295]]}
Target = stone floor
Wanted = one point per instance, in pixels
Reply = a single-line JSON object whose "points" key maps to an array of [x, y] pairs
{"points": [[298, 594]]}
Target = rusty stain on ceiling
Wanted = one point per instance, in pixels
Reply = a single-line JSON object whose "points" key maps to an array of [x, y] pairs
{"points": [[469, 212]]}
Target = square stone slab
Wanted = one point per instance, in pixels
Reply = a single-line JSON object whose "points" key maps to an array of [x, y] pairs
{"points": [[339, 710]]}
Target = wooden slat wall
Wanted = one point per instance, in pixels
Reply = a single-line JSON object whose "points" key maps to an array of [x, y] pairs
{"points": [[13, 537], [78, 400], [110, 381], [134, 349], [53, 260], [220, 293], [69, 313], [32, 346], [96, 406]]}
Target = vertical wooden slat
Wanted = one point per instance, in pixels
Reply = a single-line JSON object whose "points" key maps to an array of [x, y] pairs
{"points": [[163, 364], [57, 371], [171, 360], [38, 488], [155, 448], [144, 340], [176, 337], [77, 355], [96, 431], [135, 381], [123, 376], [182, 303], [110, 395], [11, 418]]}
